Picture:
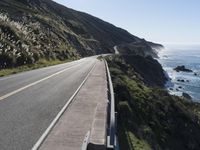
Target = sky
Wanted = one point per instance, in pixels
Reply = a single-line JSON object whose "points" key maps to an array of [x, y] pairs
{"points": [[163, 21]]}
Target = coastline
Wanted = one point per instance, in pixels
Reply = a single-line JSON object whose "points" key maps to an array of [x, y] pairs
{"points": [[180, 83], [147, 113]]}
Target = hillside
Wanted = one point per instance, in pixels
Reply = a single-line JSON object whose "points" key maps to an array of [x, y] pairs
{"points": [[149, 118], [42, 29]]}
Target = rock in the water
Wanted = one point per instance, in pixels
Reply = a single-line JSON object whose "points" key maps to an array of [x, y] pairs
{"points": [[187, 96], [181, 80], [195, 74], [182, 68]]}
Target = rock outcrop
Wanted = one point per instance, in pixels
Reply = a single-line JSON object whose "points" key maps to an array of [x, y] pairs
{"points": [[187, 96], [182, 68]]}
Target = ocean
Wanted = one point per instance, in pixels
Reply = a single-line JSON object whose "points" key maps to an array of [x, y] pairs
{"points": [[189, 56]]}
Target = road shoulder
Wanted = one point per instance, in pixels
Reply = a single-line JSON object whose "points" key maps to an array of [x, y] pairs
{"points": [[86, 113]]}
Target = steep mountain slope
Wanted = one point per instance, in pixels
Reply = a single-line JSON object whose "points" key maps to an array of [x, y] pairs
{"points": [[35, 29]]}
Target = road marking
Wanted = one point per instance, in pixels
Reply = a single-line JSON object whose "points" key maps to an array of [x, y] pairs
{"points": [[34, 83], [53, 123], [43, 68]]}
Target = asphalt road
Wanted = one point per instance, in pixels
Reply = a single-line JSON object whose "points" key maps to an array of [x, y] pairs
{"points": [[29, 101]]}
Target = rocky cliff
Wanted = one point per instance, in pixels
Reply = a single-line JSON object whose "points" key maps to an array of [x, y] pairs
{"points": [[148, 117]]}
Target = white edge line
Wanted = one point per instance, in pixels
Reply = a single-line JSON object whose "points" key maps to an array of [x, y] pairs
{"points": [[34, 83], [53, 123], [42, 68]]}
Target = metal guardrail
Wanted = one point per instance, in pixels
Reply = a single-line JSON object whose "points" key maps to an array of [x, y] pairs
{"points": [[86, 141], [111, 140]]}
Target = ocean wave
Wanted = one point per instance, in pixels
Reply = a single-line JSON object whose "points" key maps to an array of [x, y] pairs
{"points": [[172, 57]]}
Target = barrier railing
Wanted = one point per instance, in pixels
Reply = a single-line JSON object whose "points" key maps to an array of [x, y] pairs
{"points": [[111, 140], [86, 141]]}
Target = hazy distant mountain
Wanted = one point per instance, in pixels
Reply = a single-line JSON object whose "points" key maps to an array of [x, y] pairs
{"points": [[34, 29]]}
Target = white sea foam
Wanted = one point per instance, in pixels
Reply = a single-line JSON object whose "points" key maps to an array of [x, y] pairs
{"points": [[173, 57]]}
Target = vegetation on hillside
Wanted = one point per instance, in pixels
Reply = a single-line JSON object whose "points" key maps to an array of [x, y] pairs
{"points": [[23, 43], [31, 30], [150, 118]]}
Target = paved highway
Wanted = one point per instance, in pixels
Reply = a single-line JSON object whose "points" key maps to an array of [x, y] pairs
{"points": [[29, 101]]}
